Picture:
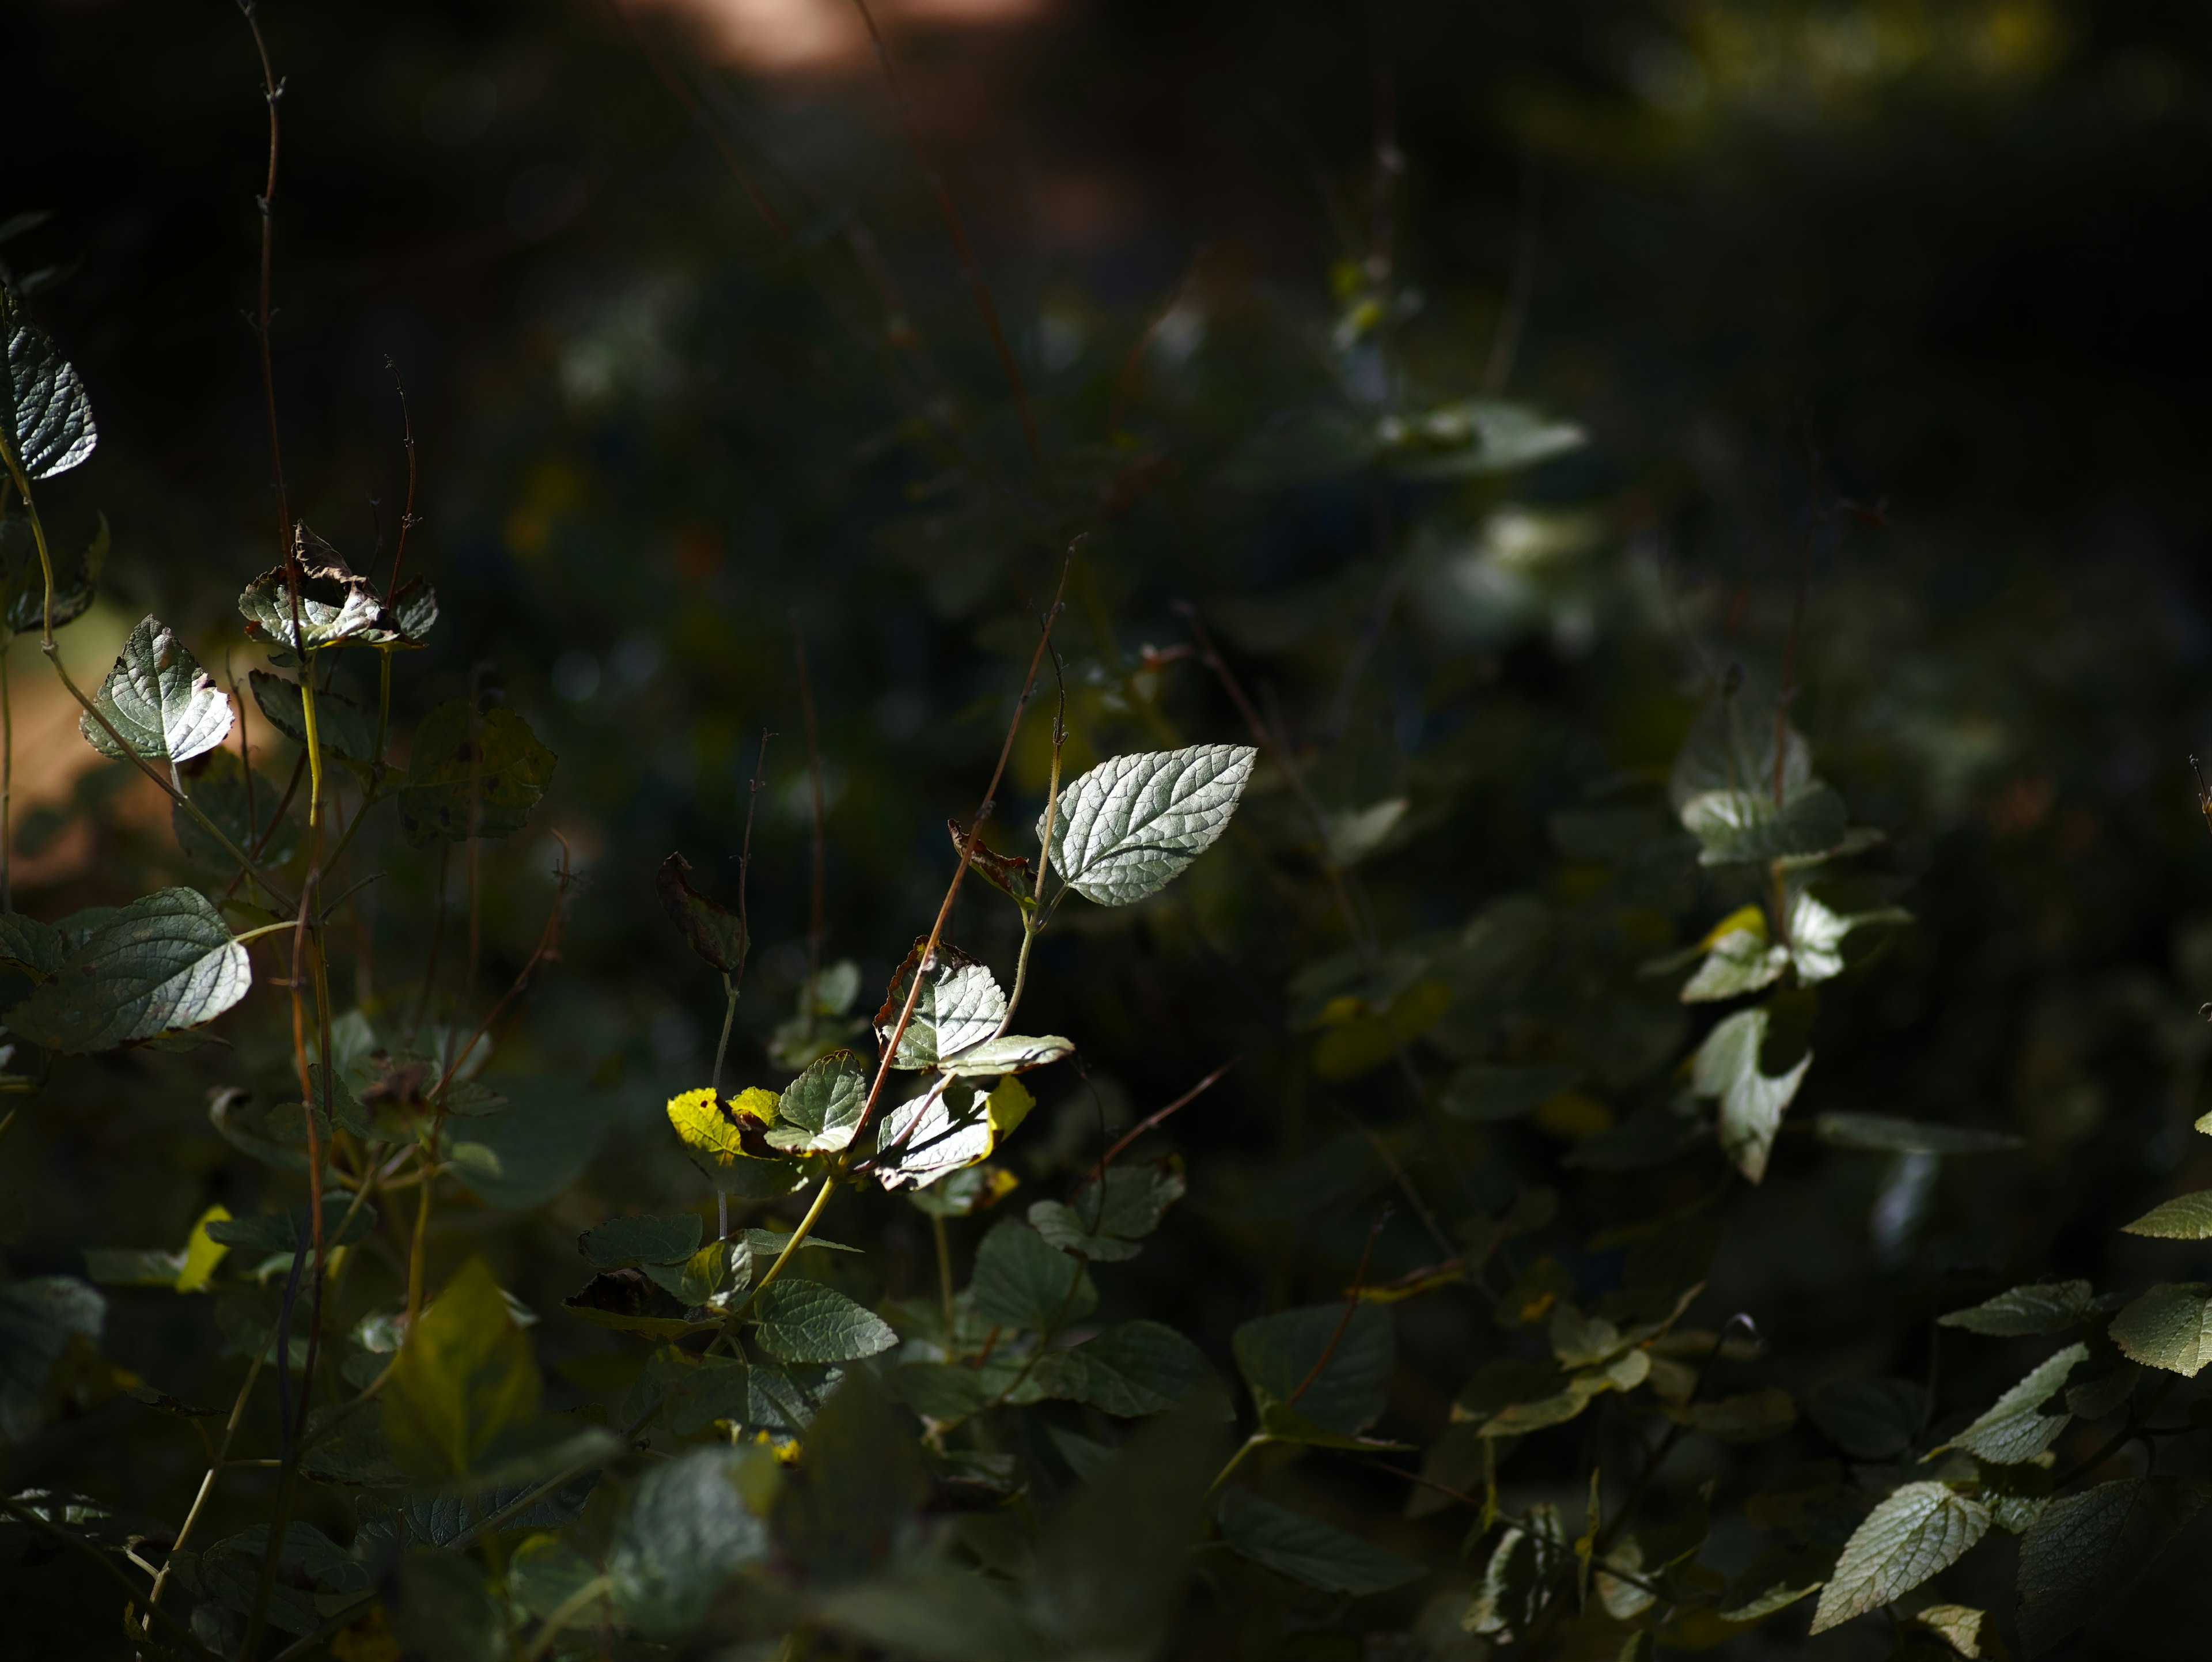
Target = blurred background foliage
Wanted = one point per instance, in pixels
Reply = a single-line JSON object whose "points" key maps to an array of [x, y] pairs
{"points": [[1948, 259]]}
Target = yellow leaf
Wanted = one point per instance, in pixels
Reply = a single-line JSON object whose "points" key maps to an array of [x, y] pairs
{"points": [[201, 1254], [1008, 1106], [718, 1129], [1752, 920], [465, 1374]]}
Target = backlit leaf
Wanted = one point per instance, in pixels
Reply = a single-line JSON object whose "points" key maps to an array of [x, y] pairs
{"points": [[1307, 1550], [1129, 827], [2169, 1327], [158, 699], [166, 961], [947, 1127], [2013, 1431], [44, 417], [1752, 1102], [959, 1007], [2185, 1217], [472, 775], [1917, 1531], [464, 1375], [819, 1112]]}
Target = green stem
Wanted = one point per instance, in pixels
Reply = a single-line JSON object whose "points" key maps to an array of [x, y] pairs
{"points": [[1256, 1440], [314, 747], [566, 1612]]}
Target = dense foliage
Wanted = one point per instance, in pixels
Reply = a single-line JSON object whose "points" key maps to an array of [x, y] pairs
{"points": [[1538, 1029]]}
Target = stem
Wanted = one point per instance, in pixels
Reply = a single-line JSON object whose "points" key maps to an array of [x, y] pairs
{"points": [[314, 747], [406, 516], [816, 925], [78, 1544], [1257, 1439], [714, 1084], [566, 1612], [415, 1254], [219, 1459]]}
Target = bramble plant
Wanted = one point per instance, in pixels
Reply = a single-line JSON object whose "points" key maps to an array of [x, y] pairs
{"points": [[940, 1346]]}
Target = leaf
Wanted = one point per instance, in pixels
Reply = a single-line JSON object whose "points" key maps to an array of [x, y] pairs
{"points": [[2169, 1327], [1752, 1101], [23, 580], [465, 1374], [1968, 1632], [1776, 1579], [1010, 873], [203, 1252], [1483, 1091], [947, 1127], [2087, 1549], [1886, 1134], [45, 418], [819, 1112], [806, 1322], [2012, 1431], [959, 1007], [622, 1243], [35, 948], [1356, 834], [536, 1145], [343, 727], [1021, 1280], [1735, 827], [1822, 916], [727, 1139], [858, 1485], [282, 1232], [1473, 438], [2026, 1311], [1276, 1353], [1518, 1582], [1738, 959], [1307, 1550], [162, 963], [716, 933], [1129, 827], [159, 699], [1130, 1369], [686, 1530], [1752, 1417], [472, 778], [2183, 1218], [335, 605], [546, 1572], [933, 1612], [219, 791], [1109, 1216], [41, 1319], [1870, 1419], [632, 1301], [1011, 1054], [1917, 1533]]}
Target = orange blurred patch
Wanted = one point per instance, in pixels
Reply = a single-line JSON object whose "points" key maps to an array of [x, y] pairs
{"points": [[823, 36]]}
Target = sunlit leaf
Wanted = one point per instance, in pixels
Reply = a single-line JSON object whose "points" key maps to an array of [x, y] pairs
{"points": [[334, 605], [166, 961], [158, 699], [1011, 1054], [1473, 438], [1738, 959], [1918, 1531], [819, 1112], [1735, 827], [2168, 1327], [2014, 1429], [46, 418], [950, 1126], [1823, 915], [1307, 1550], [470, 775], [1752, 1101], [1129, 827], [2185, 1217], [959, 1007]]}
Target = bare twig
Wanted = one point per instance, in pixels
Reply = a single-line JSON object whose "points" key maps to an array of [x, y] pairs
{"points": [[1351, 1309], [1153, 1120]]}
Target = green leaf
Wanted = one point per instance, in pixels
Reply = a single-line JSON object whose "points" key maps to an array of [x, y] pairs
{"points": [[948, 1127], [545, 1572], [465, 1374], [1917, 1533], [1886, 1134], [1776, 1579], [44, 417], [2013, 1431], [1870, 1419], [631, 1301], [756, 1396], [335, 605], [1013, 1053], [1738, 959], [218, 789], [472, 777], [535, 1147], [281, 1231], [343, 727], [1129, 827], [23, 580], [1965, 1630], [1109, 1217], [622, 1243], [1751, 1417], [1134, 1368], [40, 1320], [1276, 1353], [714, 932], [26, 944], [159, 699], [806, 1322], [2169, 1327], [1473, 438], [857, 1488], [1307, 1550], [2183, 1218], [1738, 827], [163, 963], [2026, 1311], [1482, 1092], [819, 1112], [960, 1007], [686, 1530], [1023, 1281], [1518, 1582], [2085, 1549], [411, 611], [1752, 1100]]}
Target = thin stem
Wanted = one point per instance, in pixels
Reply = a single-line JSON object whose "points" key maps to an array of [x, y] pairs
{"points": [[817, 898], [215, 1464], [565, 1612], [78, 1544], [407, 516], [1351, 1309], [273, 92], [1153, 1120], [714, 1084], [1258, 1440], [314, 747]]}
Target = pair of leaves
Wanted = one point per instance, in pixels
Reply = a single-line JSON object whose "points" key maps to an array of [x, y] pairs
{"points": [[951, 1126], [158, 700], [163, 964], [335, 606], [472, 775]]}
